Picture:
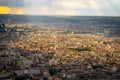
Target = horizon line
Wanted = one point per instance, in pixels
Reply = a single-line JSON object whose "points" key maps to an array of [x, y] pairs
{"points": [[64, 15]]}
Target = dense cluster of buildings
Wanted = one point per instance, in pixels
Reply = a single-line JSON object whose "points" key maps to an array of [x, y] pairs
{"points": [[57, 56]]}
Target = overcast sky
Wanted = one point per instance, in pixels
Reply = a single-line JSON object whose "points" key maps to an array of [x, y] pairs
{"points": [[61, 7]]}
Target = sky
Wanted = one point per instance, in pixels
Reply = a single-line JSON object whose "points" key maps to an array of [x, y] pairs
{"points": [[61, 7]]}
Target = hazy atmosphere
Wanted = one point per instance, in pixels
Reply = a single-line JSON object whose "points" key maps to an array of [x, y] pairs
{"points": [[61, 7], [59, 39]]}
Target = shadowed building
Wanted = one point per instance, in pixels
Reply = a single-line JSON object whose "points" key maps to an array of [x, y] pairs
{"points": [[2, 27]]}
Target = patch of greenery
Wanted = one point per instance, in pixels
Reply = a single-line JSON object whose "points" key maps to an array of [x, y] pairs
{"points": [[106, 42], [80, 49]]}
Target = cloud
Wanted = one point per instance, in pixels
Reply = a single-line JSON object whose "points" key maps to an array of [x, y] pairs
{"points": [[12, 7], [73, 4], [61, 7], [12, 3]]}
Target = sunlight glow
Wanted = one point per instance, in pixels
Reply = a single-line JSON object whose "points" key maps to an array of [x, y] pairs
{"points": [[4, 10], [8, 10], [17, 11]]}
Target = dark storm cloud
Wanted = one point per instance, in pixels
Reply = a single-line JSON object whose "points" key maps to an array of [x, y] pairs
{"points": [[12, 3]]}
